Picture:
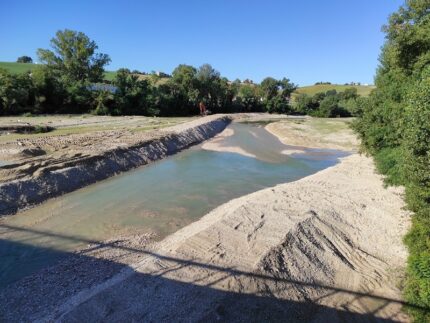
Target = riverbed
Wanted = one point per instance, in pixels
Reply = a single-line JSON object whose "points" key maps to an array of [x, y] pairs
{"points": [[159, 198]]}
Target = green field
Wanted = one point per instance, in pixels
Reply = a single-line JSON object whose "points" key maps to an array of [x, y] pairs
{"points": [[363, 90], [17, 68]]}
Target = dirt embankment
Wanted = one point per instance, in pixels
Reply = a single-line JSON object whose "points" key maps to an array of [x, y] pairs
{"points": [[36, 179]]}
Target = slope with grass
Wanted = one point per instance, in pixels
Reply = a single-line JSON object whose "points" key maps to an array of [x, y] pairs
{"points": [[363, 90]]}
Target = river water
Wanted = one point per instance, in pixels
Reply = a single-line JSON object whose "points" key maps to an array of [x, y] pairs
{"points": [[160, 198]]}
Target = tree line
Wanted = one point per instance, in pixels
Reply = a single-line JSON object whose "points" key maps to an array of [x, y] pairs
{"points": [[331, 104], [71, 79], [395, 128]]}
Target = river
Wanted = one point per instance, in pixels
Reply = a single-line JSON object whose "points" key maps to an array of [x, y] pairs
{"points": [[159, 198]]}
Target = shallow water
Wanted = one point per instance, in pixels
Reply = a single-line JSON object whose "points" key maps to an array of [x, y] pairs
{"points": [[160, 198]]}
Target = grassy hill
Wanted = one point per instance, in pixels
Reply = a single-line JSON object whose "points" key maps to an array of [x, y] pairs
{"points": [[17, 68], [363, 90]]}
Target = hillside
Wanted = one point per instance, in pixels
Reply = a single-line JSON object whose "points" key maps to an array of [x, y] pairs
{"points": [[363, 90], [17, 68]]}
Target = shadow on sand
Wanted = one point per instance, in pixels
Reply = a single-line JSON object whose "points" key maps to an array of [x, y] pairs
{"points": [[62, 292]]}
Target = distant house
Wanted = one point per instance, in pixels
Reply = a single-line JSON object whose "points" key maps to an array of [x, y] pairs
{"points": [[161, 74]]}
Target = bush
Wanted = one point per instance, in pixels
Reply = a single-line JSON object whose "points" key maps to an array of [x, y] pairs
{"points": [[395, 128], [388, 162], [24, 59]]}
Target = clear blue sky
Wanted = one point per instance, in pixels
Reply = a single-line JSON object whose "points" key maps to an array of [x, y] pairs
{"points": [[306, 41]]}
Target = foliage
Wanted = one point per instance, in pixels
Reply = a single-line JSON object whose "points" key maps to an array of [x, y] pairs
{"points": [[276, 94], [330, 104], [131, 95], [249, 98], [16, 92], [24, 59], [74, 58], [71, 79], [395, 127]]}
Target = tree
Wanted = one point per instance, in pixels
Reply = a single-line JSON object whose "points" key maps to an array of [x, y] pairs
{"points": [[208, 84], [318, 97], [16, 92], [349, 93], [249, 97], [74, 57], [330, 107], [277, 104], [184, 89], [287, 87], [269, 87], [132, 96], [394, 127], [50, 91], [24, 59], [305, 104]]}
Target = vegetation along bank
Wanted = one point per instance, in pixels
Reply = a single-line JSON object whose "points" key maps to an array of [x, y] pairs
{"points": [[395, 129]]}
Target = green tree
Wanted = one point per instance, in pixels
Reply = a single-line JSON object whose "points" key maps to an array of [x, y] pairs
{"points": [[270, 88], [249, 97], [132, 95], [74, 58], [395, 128], [208, 82], [183, 87], [287, 87], [50, 91], [305, 104], [103, 101], [24, 59], [349, 93], [16, 92]]}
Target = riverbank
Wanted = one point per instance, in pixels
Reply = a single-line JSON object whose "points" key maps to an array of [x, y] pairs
{"points": [[34, 180], [325, 248], [316, 133]]}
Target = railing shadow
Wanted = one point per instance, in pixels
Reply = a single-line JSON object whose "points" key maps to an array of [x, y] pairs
{"points": [[145, 301]]}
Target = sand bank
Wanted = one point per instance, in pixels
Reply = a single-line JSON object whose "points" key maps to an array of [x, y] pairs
{"points": [[315, 133]]}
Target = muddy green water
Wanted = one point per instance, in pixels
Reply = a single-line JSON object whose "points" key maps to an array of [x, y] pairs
{"points": [[160, 198]]}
